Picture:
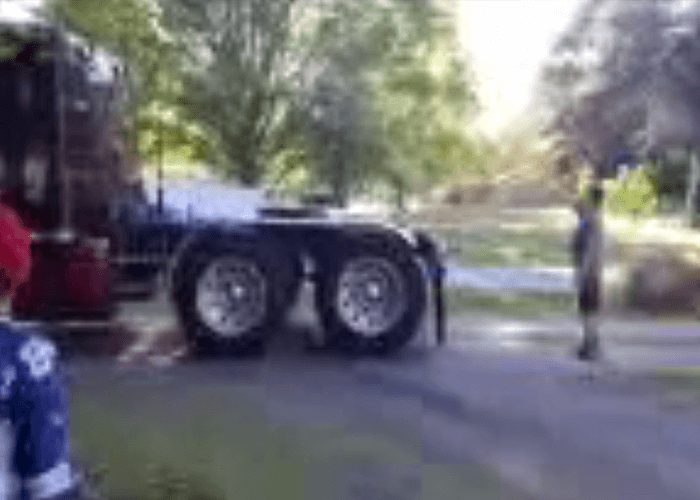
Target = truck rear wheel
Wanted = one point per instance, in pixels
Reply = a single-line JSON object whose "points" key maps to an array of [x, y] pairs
{"points": [[230, 299], [372, 298]]}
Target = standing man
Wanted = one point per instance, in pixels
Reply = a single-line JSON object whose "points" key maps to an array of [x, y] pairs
{"points": [[587, 252], [34, 451]]}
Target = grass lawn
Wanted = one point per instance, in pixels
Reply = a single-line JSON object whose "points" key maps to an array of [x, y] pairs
{"points": [[518, 305], [541, 238], [682, 381], [157, 441], [505, 247], [478, 236]]}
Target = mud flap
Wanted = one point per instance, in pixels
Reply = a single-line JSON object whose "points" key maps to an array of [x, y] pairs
{"points": [[439, 303], [429, 252]]}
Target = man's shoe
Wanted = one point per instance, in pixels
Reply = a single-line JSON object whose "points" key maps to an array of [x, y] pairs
{"points": [[588, 352]]}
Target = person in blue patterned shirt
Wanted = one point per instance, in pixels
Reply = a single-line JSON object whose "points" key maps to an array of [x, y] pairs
{"points": [[34, 439]]}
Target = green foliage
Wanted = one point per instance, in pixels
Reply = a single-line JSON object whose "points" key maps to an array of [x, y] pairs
{"points": [[128, 29], [636, 194], [234, 56], [392, 100], [499, 247], [461, 301], [670, 175], [132, 30], [338, 94], [639, 95], [180, 139]]}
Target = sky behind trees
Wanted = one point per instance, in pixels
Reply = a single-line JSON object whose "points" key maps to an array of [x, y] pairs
{"points": [[508, 41]]}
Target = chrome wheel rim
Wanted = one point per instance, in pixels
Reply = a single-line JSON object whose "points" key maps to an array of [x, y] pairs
{"points": [[231, 296], [370, 297]]}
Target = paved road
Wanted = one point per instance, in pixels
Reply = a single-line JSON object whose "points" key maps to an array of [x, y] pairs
{"points": [[548, 425], [633, 344]]}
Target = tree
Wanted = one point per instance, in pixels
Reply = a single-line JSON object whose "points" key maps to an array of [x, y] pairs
{"points": [[622, 80], [132, 31], [599, 80], [234, 60], [388, 98], [335, 100], [425, 99], [348, 94]]}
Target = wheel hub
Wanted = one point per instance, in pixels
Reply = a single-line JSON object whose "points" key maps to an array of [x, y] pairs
{"points": [[371, 295], [237, 292], [231, 296], [374, 290]]}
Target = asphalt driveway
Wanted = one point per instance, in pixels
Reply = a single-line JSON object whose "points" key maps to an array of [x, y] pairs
{"points": [[533, 421]]}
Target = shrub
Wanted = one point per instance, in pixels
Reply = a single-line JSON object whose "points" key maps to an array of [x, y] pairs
{"points": [[670, 174], [636, 194], [661, 282]]}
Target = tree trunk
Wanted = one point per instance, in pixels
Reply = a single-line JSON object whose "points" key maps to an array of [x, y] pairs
{"points": [[691, 199], [340, 189], [339, 179], [249, 169], [400, 192], [250, 173]]}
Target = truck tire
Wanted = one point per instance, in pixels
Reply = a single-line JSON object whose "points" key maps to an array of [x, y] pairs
{"points": [[230, 298], [371, 298]]}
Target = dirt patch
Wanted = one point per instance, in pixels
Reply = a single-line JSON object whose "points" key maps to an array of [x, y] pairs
{"points": [[470, 193], [126, 344], [105, 342]]}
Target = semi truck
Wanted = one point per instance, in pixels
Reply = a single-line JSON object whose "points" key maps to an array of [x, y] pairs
{"points": [[68, 170]]}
